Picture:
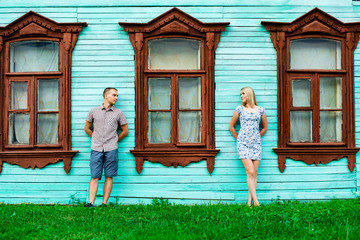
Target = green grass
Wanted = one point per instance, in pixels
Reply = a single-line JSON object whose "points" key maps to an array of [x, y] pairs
{"points": [[335, 219]]}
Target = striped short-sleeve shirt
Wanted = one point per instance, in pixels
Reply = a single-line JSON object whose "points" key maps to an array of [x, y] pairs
{"points": [[105, 124]]}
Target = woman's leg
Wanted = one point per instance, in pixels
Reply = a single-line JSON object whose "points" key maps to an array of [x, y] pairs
{"points": [[256, 167], [251, 168]]}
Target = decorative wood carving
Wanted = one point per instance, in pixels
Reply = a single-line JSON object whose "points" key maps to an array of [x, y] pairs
{"points": [[33, 26], [33, 29], [315, 23], [174, 23]]}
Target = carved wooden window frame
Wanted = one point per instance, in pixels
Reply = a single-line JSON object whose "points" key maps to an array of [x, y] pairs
{"points": [[177, 24], [33, 26], [315, 24]]}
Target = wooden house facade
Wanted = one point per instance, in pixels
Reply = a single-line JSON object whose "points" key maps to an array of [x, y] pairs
{"points": [[179, 67]]}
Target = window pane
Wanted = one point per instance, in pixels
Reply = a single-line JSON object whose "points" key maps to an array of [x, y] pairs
{"points": [[159, 93], [190, 127], [34, 56], [19, 127], [159, 127], [330, 93], [330, 126], [300, 126], [48, 94], [19, 95], [301, 92], [47, 128], [190, 93], [315, 53], [174, 53]]}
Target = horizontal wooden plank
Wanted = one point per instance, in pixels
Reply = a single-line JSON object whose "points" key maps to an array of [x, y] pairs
{"points": [[139, 3]]}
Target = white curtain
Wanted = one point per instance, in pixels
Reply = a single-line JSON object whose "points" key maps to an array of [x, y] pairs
{"points": [[174, 53], [48, 94], [47, 131], [19, 95], [19, 123], [300, 126], [190, 98], [34, 56], [315, 53], [330, 126], [159, 98], [330, 98], [19, 127], [190, 93], [190, 127], [301, 92], [159, 95], [48, 100], [159, 127], [330, 93]]}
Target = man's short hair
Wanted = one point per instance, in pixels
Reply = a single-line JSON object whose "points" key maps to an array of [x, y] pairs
{"points": [[106, 90]]}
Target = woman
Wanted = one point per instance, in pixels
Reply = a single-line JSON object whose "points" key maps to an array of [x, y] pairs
{"points": [[248, 141]]}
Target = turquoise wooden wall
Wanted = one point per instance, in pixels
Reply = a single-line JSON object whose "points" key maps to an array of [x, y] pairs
{"points": [[245, 56]]}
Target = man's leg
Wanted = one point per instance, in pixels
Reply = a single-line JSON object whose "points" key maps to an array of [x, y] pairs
{"points": [[96, 166], [107, 189], [93, 188], [111, 169]]}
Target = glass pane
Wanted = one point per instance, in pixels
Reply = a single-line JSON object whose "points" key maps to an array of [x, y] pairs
{"points": [[300, 126], [174, 53], [159, 127], [19, 95], [159, 93], [48, 94], [34, 56], [315, 53], [19, 128], [330, 126], [47, 128], [301, 92], [330, 93], [190, 127], [190, 93]]}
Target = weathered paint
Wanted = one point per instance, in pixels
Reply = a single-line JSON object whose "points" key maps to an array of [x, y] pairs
{"points": [[104, 57]]}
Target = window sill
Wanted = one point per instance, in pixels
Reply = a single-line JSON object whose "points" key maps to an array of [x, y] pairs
{"points": [[37, 159], [175, 157], [311, 155]]}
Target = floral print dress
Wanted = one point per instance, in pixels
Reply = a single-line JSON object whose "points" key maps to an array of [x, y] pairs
{"points": [[248, 142]]}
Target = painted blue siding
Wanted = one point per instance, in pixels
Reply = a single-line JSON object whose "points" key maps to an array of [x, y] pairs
{"points": [[245, 56]]}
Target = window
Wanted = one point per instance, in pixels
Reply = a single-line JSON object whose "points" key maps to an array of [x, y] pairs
{"points": [[315, 57], [35, 106], [174, 83]]}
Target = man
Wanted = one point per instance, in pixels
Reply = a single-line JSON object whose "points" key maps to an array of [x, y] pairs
{"points": [[105, 120]]}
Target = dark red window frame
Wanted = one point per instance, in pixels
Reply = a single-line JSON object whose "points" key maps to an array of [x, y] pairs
{"points": [[315, 24], [175, 24], [33, 26]]}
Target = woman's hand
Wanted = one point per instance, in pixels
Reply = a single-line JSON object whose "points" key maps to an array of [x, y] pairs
{"points": [[232, 124], [264, 124]]}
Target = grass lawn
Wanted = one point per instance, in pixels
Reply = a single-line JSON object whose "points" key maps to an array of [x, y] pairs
{"points": [[335, 219]]}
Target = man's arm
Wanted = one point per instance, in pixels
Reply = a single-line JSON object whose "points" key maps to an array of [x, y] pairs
{"points": [[88, 128], [124, 132]]}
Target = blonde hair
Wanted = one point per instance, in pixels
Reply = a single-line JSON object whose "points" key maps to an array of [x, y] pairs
{"points": [[250, 94]]}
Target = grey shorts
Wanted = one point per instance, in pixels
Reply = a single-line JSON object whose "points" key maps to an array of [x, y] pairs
{"points": [[104, 160]]}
